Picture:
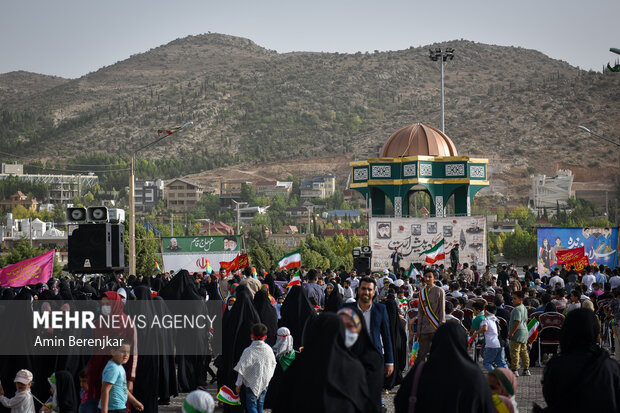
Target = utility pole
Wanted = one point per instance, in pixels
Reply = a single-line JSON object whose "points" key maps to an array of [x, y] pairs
{"points": [[442, 56], [172, 224]]}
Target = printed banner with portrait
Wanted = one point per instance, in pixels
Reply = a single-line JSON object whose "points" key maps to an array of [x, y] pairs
{"points": [[600, 246], [192, 253], [412, 236]]}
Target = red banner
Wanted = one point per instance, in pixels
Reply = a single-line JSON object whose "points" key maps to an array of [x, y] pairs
{"points": [[31, 271], [575, 257], [240, 261]]}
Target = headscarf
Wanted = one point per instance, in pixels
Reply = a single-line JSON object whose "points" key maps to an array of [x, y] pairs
{"points": [[334, 300], [448, 353], [367, 353], [65, 389], [181, 287], [296, 311], [580, 331], [503, 404], [325, 366], [198, 401], [507, 381], [274, 290], [284, 342], [267, 314]]}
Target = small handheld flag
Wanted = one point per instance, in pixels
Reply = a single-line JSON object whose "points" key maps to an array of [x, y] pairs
{"points": [[295, 280], [532, 329], [226, 395], [157, 266], [414, 352]]}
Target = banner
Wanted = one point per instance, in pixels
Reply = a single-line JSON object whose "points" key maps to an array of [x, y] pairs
{"points": [[599, 245], [31, 271], [575, 257], [413, 236], [195, 253], [240, 261]]}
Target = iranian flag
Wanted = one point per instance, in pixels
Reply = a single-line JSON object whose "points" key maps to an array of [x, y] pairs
{"points": [[295, 280], [436, 253], [291, 260], [226, 395], [532, 330]]}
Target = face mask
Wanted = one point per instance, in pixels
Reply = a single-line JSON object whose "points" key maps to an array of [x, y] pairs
{"points": [[350, 338], [106, 310], [229, 307]]}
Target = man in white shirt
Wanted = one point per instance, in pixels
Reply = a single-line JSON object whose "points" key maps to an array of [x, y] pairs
{"points": [[353, 279], [614, 281], [556, 281], [588, 279]]}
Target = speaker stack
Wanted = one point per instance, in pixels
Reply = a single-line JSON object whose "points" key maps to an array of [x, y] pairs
{"points": [[96, 246], [361, 259]]}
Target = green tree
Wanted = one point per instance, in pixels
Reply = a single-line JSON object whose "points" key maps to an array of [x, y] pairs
{"points": [[248, 194], [520, 246], [524, 215]]}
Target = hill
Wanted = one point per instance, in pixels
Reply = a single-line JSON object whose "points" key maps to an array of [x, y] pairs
{"points": [[251, 105]]}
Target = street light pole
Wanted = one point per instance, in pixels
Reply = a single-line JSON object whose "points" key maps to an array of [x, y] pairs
{"points": [[442, 55], [598, 136], [132, 205]]}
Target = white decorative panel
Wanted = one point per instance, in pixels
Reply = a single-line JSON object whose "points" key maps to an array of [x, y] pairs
{"points": [[455, 169], [398, 206], [439, 212], [426, 169], [468, 206], [476, 172], [360, 174], [381, 171], [409, 170]]}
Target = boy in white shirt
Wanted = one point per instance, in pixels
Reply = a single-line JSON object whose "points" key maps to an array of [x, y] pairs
{"points": [[22, 402], [493, 350]]}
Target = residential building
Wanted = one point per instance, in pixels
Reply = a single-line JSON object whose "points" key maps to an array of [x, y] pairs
{"points": [[60, 188], [12, 169], [18, 198], [351, 215], [147, 194], [181, 195], [290, 229], [548, 192], [248, 213], [209, 227], [41, 235], [287, 241], [273, 188], [232, 189], [321, 187]]}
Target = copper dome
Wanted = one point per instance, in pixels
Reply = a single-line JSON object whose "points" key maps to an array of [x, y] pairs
{"points": [[418, 139]]}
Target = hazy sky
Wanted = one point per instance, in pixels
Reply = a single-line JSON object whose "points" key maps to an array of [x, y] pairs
{"points": [[70, 38]]}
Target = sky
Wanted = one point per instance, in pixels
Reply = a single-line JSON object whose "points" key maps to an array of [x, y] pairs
{"points": [[71, 38]]}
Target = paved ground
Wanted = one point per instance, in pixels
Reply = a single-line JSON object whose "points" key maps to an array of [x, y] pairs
{"points": [[529, 390]]}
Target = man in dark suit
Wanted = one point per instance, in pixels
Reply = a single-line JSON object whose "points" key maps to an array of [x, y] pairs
{"points": [[376, 319]]}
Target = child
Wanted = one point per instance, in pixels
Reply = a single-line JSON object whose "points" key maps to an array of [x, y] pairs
{"points": [[493, 349], [22, 402], [198, 401], [114, 393], [87, 405], [503, 385], [255, 368], [518, 335]]}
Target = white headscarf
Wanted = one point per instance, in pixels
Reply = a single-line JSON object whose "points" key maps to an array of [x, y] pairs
{"points": [[198, 400], [284, 342]]}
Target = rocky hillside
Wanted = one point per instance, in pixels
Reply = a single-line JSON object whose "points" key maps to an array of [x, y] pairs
{"points": [[256, 105]]}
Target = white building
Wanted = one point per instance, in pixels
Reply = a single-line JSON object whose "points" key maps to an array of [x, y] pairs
{"points": [[321, 187], [547, 192]]}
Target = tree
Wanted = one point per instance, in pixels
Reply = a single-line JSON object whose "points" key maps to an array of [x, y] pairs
{"points": [[524, 215], [520, 246], [248, 194]]}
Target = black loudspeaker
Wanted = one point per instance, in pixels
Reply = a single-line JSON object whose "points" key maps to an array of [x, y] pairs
{"points": [[90, 249], [361, 264], [118, 246]]}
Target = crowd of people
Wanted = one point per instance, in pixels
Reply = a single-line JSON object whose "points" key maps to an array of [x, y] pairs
{"points": [[338, 341]]}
